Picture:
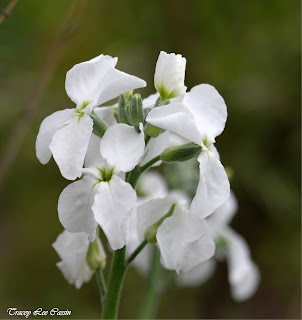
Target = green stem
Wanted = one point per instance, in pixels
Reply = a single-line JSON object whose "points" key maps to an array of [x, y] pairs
{"points": [[133, 176], [150, 302], [101, 283], [136, 252], [149, 164], [116, 277]]}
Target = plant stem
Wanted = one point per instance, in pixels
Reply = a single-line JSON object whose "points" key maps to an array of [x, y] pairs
{"points": [[116, 277], [150, 302], [149, 164], [101, 283], [136, 252]]}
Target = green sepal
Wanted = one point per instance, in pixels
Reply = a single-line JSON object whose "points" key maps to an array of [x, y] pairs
{"points": [[151, 130], [99, 125], [180, 153], [136, 111], [150, 234], [122, 106]]}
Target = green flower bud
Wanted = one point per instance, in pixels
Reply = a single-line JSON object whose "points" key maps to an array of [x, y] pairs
{"points": [[122, 105], [136, 111], [180, 153], [96, 257], [150, 234], [99, 125]]}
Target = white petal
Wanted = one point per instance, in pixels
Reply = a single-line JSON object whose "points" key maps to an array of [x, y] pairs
{"points": [[244, 275], [149, 102], [170, 74], [122, 147], [72, 249], [209, 110], [69, 145], [143, 261], [106, 114], [93, 156], [112, 207], [177, 118], [47, 129], [83, 79], [74, 207], [115, 83], [155, 147], [152, 185], [150, 212], [224, 214], [213, 188], [184, 241], [197, 275]]}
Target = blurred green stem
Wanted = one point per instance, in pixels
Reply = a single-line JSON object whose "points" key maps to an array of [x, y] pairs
{"points": [[136, 252], [101, 283], [150, 302], [116, 278]]}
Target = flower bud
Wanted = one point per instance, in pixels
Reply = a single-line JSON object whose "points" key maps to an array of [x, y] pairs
{"points": [[96, 256], [99, 125], [150, 234], [122, 106], [169, 75], [180, 153], [135, 112]]}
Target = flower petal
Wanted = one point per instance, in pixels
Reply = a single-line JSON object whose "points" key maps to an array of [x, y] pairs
{"points": [[209, 110], [213, 188], [72, 249], [169, 75], [83, 79], [152, 185], [112, 207], [184, 241], [107, 114], [197, 275], [155, 147], [93, 156], [175, 117], [150, 212], [115, 83], [224, 214], [149, 102], [69, 145], [47, 129], [244, 275], [74, 207], [143, 261], [122, 147]]}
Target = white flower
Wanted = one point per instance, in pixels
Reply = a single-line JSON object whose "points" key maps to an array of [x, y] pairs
{"points": [[183, 239], [170, 75], [243, 275], [72, 249], [200, 118], [152, 185], [65, 134], [101, 196]]}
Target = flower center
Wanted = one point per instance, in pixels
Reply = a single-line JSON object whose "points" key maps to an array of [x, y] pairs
{"points": [[106, 174]]}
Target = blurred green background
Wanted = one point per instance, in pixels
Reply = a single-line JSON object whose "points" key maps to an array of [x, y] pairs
{"points": [[249, 50]]}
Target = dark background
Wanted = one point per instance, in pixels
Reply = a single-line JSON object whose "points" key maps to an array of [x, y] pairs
{"points": [[249, 50]]}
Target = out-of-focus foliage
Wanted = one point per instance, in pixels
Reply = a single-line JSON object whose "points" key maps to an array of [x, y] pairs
{"points": [[250, 51]]}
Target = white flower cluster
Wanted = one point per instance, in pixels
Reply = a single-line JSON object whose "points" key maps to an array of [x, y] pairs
{"points": [[109, 147]]}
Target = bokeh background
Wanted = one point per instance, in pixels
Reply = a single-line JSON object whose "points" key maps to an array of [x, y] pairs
{"points": [[249, 50]]}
